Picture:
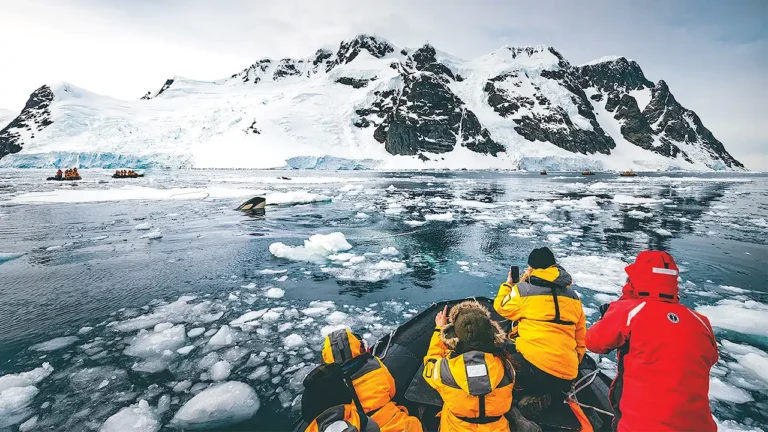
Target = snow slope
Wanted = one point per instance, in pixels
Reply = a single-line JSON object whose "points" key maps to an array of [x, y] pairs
{"points": [[6, 116], [364, 107]]}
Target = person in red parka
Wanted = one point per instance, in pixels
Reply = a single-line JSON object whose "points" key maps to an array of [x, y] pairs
{"points": [[665, 351]]}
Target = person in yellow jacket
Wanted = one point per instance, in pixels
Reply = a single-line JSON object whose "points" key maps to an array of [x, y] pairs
{"points": [[373, 384], [466, 365], [550, 332]]}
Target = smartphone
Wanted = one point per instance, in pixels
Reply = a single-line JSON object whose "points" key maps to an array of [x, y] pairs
{"points": [[515, 270]]}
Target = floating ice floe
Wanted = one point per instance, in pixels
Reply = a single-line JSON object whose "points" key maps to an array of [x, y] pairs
{"points": [[135, 418], [391, 251], [154, 235], [663, 232], [750, 317], [316, 249], [295, 197], [415, 223], [218, 406], [8, 256], [443, 217], [637, 214], [274, 293], [724, 391], [143, 227], [605, 274], [17, 392], [293, 341], [368, 272], [156, 348], [269, 272], [179, 311], [54, 344], [632, 200], [473, 204], [220, 370]]}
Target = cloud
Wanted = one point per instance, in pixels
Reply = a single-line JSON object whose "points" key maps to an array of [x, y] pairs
{"points": [[712, 54]]}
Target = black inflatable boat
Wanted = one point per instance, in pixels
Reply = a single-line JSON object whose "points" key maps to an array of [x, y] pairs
{"points": [[403, 352], [115, 176], [64, 178]]}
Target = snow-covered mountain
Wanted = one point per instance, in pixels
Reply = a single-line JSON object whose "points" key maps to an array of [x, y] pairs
{"points": [[370, 104]]}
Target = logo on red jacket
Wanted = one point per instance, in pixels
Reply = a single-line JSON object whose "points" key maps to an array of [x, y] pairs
{"points": [[674, 318]]}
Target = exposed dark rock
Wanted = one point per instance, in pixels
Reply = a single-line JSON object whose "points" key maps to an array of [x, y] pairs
{"points": [[254, 71], [147, 96], [349, 50], [613, 75], [634, 126], [35, 116], [556, 126], [597, 97], [287, 67], [354, 82], [165, 87], [321, 55], [252, 129]]}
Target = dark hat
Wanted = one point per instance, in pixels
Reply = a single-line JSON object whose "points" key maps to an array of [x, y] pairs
{"points": [[475, 332], [541, 258]]}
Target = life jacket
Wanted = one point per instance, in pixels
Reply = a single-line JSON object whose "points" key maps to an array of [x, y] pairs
{"points": [[551, 325], [664, 350], [373, 384], [341, 418], [476, 387]]}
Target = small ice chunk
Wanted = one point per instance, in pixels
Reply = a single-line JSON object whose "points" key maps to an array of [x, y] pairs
{"points": [[28, 425], [220, 370], [84, 330], [135, 418], [268, 272], [224, 337], [163, 326], [195, 332], [163, 404], [337, 317], [153, 344], [721, 390], [271, 316], [249, 316], [142, 227], [274, 293], [663, 232], [24, 379], [361, 215], [182, 386], [154, 235], [54, 344], [316, 249], [757, 364], [185, 350], [293, 341], [443, 217], [218, 406], [391, 251], [261, 373], [415, 223]]}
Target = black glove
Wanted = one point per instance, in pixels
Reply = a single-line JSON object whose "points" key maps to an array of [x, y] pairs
{"points": [[603, 309]]}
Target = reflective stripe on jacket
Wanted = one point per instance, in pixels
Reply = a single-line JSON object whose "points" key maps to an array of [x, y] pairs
{"points": [[551, 326], [476, 388]]}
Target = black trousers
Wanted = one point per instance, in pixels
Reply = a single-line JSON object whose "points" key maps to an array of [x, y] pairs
{"points": [[530, 380]]}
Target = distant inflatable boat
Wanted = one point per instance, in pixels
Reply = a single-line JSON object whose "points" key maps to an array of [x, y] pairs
{"points": [[115, 176], [543, 172], [64, 178], [629, 173], [587, 173]]}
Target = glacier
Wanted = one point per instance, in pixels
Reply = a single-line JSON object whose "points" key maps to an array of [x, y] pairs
{"points": [[372, 105]]}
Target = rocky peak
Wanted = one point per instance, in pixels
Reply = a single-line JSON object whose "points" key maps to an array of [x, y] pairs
{"points": [[348, 50], [424, 59], [614, 73], [35, 117]]}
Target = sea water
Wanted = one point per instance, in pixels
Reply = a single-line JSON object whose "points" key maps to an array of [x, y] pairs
{"points": [[152, 303]]}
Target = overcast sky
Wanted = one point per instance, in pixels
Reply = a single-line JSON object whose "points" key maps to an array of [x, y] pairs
{"points": [[713, 54]]}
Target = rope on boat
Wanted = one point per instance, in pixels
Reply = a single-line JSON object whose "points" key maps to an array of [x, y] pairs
{"points": [[580, 385]]}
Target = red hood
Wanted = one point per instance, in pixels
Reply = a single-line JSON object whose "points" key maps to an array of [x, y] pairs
{"points": [[653, 274]]}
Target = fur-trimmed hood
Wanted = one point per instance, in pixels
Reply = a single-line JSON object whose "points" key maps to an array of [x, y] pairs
{"points": [[448, 333]]}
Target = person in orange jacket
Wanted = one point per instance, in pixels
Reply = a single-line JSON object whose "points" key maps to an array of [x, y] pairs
{"points": [[550, 332], [329, 405], [373, 384], [59, 174], [467, 366]]}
